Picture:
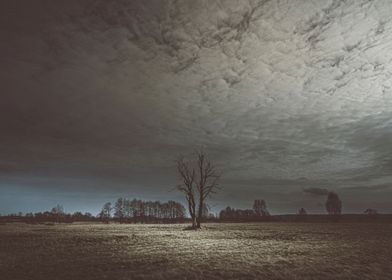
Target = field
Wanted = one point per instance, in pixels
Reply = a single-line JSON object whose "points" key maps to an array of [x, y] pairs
{"points": [[218, 251]]}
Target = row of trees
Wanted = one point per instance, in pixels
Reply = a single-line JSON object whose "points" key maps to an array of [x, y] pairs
{"points": [[333, 205], [259, 210], [55, 215], [125, 210], [135, 210], [199, 180]]}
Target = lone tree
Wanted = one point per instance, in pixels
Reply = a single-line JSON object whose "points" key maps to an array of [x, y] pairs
{"points": [[187, 175], [333, 204], [199, 181]]}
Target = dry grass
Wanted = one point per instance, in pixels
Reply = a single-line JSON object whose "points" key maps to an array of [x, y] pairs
{"points": [[219, 251]]}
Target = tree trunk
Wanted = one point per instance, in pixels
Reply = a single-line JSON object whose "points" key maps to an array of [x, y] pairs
{"points": [[198, 223], [200, 213], [194, 221], [192, 213]]}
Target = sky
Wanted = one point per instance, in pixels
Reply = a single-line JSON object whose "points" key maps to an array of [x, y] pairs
{"points": [[290, 99]]}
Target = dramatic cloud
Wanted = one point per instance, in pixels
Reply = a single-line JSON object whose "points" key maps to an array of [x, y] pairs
{"points": [[99, 97]]}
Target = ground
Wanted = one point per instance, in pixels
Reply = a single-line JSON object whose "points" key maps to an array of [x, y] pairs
{"points": [[218, 251]]}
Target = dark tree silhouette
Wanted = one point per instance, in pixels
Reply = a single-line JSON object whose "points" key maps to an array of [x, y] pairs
{"points": [[333, 204], [106, 212], [142, 211], [302, 212], [260, 208], [79, 216], [199, 181], [58, 212], [187, 174], [119, 209], [225, 213]]}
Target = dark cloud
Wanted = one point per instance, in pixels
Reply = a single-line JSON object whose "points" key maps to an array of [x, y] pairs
{"points": [[101, 96]]}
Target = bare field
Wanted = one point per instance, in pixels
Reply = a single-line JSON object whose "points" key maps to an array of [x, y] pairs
{"points": [[218, 251]]}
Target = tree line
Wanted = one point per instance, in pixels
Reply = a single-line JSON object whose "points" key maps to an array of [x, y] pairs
{"points": [[258, 212], [125, 210], [199, 180], [55, 215], [136, 210]]}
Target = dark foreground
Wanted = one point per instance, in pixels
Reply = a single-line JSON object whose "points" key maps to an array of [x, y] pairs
{"points": [[219, 251]]}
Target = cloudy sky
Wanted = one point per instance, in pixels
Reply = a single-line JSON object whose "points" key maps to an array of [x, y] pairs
{"points": [[289, 98]]}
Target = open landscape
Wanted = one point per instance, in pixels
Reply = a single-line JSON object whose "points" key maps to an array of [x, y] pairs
{"points": [[196, 139], [217, 251]]}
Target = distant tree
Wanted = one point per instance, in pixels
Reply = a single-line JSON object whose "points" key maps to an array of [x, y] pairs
{"points": [[58, 212], [119, 209], [174, 209], [29, 215], [260, 208], [88, 216], [241, 214], [77, 216], [198, 178], [106, 212], [302, 212], [371, 211], [135, 210], [333, 204], [212, 216], [225, 213], [181, 212], [206, 211]]}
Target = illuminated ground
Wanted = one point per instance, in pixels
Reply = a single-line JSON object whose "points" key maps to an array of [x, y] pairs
{"points": [[227, 251]]}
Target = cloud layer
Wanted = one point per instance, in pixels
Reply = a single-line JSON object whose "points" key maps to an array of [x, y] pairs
{"points": [[285, 95]]}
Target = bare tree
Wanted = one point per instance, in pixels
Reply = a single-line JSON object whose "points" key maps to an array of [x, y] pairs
{"points": [[207, 183], [199, 181], [187, 174], [119, 209]]}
